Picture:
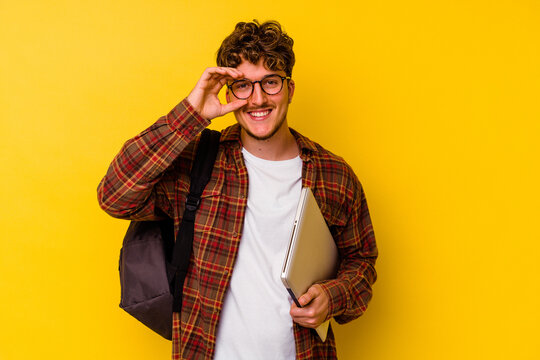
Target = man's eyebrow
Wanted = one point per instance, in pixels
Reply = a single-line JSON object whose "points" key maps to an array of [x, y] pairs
{"points": [[260, 78]]}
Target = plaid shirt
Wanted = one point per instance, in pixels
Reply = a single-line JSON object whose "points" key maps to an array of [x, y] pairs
{"points": [[149, 179]]}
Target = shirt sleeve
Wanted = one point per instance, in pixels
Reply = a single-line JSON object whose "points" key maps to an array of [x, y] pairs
{"points": [[133, 187], [351, 291]]}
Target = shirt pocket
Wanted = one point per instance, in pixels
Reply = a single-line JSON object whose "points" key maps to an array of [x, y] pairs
{"points": [[210, 204], [213, 188], [333, 218], [332, 210]]}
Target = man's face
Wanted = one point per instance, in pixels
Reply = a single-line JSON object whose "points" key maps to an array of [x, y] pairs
{"points": [[264, 115]]}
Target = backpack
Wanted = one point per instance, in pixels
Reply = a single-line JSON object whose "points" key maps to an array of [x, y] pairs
{"points": [[152, 265]]}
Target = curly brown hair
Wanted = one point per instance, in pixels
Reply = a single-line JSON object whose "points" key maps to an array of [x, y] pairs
{"points": [[251, 41]]}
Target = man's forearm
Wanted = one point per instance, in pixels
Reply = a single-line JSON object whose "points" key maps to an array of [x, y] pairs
{"points": [[350, 293], [127, 187]]}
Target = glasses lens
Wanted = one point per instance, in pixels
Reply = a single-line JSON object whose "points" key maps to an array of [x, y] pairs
{"points": [[242, 88], [272, 84]]}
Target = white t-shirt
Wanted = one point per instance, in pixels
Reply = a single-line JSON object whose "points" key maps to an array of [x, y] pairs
{"points": [[255, 322]]}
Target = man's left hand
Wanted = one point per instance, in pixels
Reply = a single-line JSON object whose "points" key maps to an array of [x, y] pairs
{"points": [[314, 308]]}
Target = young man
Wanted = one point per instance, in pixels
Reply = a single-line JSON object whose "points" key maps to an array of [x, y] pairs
{"points": [[234, 305]]}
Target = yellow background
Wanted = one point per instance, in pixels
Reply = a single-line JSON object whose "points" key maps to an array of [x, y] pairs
{"points": [[433, 103]]}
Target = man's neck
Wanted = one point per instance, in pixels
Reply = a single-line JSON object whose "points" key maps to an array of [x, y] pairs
{"points": [[281, 146]]}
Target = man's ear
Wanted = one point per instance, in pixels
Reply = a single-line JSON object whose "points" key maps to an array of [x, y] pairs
{"points": [[227, 96], [291, 89]]}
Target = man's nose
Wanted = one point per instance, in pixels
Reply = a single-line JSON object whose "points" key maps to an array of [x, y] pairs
{"points": [[258, 97]]}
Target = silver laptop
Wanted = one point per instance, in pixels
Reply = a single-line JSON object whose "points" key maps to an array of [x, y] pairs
{"points": [[312, 254]]}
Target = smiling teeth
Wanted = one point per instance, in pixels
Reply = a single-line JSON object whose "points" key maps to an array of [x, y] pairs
{"points": [[260, 113]]}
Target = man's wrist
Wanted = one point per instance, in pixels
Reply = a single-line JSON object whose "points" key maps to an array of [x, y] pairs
{"points": [[185, 119], [190, 99], [337, 297]]}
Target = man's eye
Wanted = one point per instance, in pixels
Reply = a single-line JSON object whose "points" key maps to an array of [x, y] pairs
{"points": [[271, 82], [241, 86]]}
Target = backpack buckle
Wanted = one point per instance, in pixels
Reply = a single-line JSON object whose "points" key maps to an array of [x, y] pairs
{"points": [[192, 202]]}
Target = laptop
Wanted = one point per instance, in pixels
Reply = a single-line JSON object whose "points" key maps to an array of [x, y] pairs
{"points": [[312, 254]]}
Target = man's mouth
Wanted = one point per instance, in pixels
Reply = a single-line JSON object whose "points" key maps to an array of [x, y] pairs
{"points": [[259, 114]]}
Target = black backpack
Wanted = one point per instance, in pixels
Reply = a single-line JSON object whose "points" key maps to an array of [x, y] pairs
{"points": [[153, 266]]}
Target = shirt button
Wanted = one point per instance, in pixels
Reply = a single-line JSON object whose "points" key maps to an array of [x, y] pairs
{"points": [[235, 234]]}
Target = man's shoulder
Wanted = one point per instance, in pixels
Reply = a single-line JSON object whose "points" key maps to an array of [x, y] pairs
{"points": [[321, 155], [336, 186]]}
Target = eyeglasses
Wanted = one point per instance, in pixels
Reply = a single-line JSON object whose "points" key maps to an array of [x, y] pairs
{"points": [[270, 84]]}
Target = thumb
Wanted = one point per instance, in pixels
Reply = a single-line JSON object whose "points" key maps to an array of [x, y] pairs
{"points": [[311, 294], [305, 299], [232, 106]]}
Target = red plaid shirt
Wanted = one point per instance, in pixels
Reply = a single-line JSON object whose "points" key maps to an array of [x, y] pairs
{"points": [[149, 179]]}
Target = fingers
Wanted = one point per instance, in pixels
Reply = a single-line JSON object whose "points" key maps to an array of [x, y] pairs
{"points": [[298, 313], [312, 292], [310, 316], [214, 78], [204, 96], [314, 308], [232, 106], [218, 73]]}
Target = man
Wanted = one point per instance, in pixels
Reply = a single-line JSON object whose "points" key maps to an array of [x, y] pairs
{"points": [[234, 305]]}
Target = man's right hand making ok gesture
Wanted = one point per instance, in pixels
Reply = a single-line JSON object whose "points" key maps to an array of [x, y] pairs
{"points": [[204, 97]]}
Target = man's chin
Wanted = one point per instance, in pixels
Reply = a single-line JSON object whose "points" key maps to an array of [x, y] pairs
{"points": [[261, 136]]}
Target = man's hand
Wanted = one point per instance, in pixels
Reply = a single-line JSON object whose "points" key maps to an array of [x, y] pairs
{"points": [[314, 308], [204, 97]]}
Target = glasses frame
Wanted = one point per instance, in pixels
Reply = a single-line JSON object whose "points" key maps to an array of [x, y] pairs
{"points": [[283, 78]]}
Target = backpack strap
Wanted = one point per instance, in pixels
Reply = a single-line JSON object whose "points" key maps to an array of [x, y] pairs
{"points": [[201, 172]]}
